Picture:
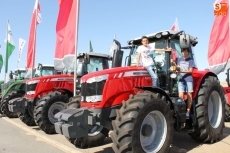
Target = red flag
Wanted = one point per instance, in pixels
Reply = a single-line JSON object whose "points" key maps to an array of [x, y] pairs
{"points": [[219, 43], [175, 26], [66, 34], [36, 19]]}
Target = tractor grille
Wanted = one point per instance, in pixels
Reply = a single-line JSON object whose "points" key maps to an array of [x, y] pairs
{"points": [[92, 89], [31, 87]]}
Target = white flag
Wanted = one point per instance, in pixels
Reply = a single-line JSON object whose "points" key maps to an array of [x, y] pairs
{"points": [[175, 26], [37, 10], [21, 46]]}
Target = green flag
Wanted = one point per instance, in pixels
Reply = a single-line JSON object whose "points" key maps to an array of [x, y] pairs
{"points": [[1, 62], [9, 46], [90, 46]]}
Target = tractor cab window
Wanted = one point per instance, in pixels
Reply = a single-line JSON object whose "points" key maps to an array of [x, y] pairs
{"points": [[47, 71], [97, 64], [176, 46], [159, 57], [20, 74]]}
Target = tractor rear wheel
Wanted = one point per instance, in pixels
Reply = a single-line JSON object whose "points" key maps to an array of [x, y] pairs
{"points": [[144, 123], [11, 96], [96, 135], [227, 113], [210, 111], [46, 109]]}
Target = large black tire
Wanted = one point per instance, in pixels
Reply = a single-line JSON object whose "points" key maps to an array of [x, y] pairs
{"points": [[1, 104], [27, 117], [127, 135], [93, 139], [46, 108], [10, 96], [210, 103], [227, 113], [2, 107]]}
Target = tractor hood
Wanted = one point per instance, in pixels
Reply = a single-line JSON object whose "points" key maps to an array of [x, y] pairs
{"points": [[117, 72], [49, 77]]}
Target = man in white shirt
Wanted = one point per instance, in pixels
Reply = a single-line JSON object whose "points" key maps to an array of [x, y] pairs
{"points": [[144, 54]]}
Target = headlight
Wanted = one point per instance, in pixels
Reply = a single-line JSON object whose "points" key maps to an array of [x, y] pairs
{"points": [[33, 82], [98, 78], [165, 33], [158, 35]]}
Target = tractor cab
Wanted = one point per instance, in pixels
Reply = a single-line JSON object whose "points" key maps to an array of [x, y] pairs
{"points": [[19, 74], [92, 62], [44, 70], [164, 61]]}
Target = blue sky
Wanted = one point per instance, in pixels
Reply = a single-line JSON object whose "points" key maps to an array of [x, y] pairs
{"points": [[101, 20]]}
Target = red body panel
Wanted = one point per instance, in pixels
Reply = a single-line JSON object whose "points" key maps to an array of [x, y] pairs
{"points": [[119, 86], [49, 83], [198, 76], [227, 93]]}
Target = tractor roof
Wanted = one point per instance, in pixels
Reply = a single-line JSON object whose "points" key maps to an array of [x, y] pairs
{"points": [[152, 37], [47, 65], [95, 54], [20, 69]]}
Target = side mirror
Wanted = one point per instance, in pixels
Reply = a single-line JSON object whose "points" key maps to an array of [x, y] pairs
{"points": [[11, 75], [39, 66], [184, 41], [86, 59], [16, 73]]}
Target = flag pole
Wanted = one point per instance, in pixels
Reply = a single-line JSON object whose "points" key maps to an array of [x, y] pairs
{"points": [[76, 38]]}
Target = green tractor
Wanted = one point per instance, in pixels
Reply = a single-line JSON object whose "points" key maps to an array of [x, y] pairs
{"points": [[1, 82], [15, 88]]}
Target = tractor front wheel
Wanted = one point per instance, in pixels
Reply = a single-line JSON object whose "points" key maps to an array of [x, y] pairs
{"points": [[210, 111], [27, 116], [96, 134], [144, 123], [46, 109], [11, 96]]}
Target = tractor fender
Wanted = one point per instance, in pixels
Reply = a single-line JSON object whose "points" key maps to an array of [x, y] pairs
{"points": [[198, 77], [67, 91], [157, 90]]}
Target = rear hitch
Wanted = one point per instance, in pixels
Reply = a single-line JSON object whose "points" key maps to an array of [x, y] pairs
{"points": [[74, 122], [17, 105]]}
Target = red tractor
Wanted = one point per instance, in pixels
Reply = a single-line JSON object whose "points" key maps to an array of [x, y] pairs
{"points": [[142, 117], [45, 96]]}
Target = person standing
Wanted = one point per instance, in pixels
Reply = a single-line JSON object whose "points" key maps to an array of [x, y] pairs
{"points": [[144, 55], [185, 84]]}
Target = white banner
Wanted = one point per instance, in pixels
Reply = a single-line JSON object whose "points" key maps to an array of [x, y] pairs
{"points": [[21, 46]]}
